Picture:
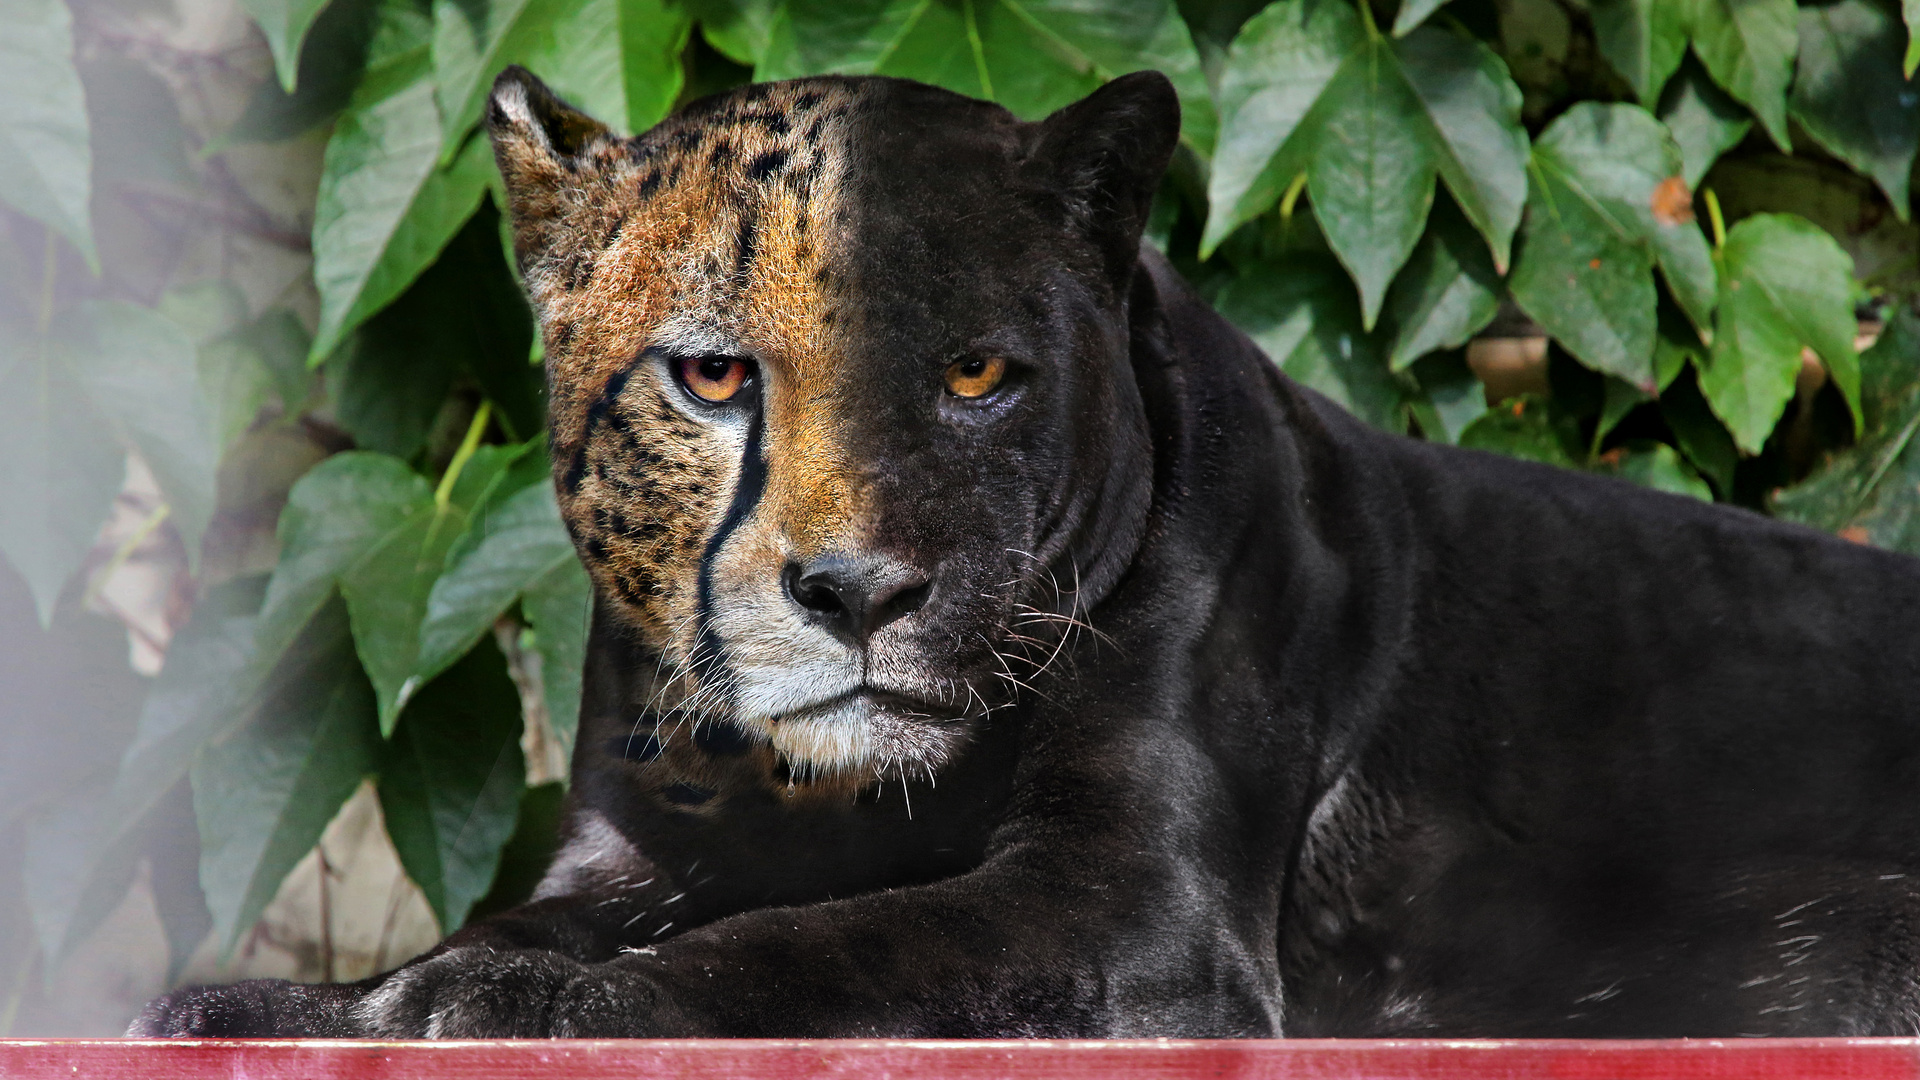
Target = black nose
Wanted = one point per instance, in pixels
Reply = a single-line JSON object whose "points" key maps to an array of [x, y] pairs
{"points": [[856, 596]]}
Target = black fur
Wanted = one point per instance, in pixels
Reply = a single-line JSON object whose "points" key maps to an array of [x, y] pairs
{"points": [[1378, 737]]}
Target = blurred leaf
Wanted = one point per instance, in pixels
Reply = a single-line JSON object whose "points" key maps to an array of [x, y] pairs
{"points": [[1784, 284], [738, 29], [1872, 489], [333, 58], [212, 684], [285, 24], [1620, 398], [171, 848], [1304, 315], [1451, 397], [70, 703], [1705, 122], [1033, 56], [264, 794], [1447, 292], [1518, 427], [523, 553], [1412, 13], [71, 700], [46, 161], [79, 862], [1607, 204], [280, 341], [1676, 341], [1643, 40], [451, 779], [1910, 14], [1370, 121], [1850, 94], [384, 209], [1658, 466], [61, 474], [1748, 46], [141, 372]]}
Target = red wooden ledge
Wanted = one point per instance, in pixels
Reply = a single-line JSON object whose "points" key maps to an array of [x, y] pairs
{"points": [[270, 1059]]}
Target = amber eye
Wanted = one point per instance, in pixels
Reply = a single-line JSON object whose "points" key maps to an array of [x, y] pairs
{"points": [[975, 378], [713, 378]]}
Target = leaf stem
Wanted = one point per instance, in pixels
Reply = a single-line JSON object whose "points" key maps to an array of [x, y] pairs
{"points": [[1713, 216], [1292, 196], [124, 552], [1366, 16], [444, 493], [979, 50]]}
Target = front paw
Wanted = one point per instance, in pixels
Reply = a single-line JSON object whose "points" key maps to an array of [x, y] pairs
{"points": [[477, 993], [255, 1008]]}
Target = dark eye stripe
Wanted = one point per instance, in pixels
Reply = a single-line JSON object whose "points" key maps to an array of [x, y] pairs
{"points": [[746, 495]]}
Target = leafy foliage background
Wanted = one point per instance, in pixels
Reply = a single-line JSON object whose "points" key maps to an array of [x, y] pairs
{"points": [[291, 446]]}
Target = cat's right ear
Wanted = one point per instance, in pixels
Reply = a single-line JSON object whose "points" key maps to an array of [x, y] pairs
{"points": [[548, 152]]}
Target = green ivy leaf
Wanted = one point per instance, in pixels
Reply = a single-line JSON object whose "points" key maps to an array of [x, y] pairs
{"points": [[285, 24], [1304, 316], [1451, 397], [738, 29], [46, 162], [1659, 466], [619, 60], [1448, 291], [472, 41], [1033, 56], [369, 525], [386, 591], [264, 794], [1370, 121], [1518, 427], [1585, 278], [1609, 204], [1643, 40], [616, 58], [1705, 122], [451, 780], [1849, 92], [1748, 46], [1784, 284], [385, 210], [1871, 490], [522, 552]]}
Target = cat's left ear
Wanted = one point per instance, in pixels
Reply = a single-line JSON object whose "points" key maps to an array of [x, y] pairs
{"points": [[1106, 154], [545, 148]]}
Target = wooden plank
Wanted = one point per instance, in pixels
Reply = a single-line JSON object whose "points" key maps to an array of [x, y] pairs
{"points": [[700, 1059]]}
